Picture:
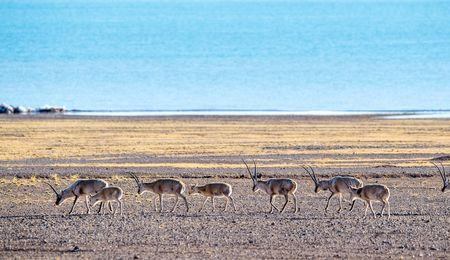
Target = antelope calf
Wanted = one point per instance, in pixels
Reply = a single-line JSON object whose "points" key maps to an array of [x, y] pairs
{"points": [[161, 187], [443, 177], [274, 187], [336, 185], [80, 188], [369, 193], [108, 195], [213, 190]]}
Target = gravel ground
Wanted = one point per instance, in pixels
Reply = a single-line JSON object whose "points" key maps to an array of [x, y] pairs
{"points": [[419, 227], [60, 149]]}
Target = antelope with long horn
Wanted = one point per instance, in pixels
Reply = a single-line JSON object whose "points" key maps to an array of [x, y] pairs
{"points": [[80, 188], [443, 176], [108, 195], [212, 190], [273, 187], [162, 187], [336, 185]]}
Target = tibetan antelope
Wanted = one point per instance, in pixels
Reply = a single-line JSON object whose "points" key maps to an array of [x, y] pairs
{"points": [[80, 188], [212, 190], [336, 185], [443, 176], [369, 193], [108, 195], [274, 187], [161, 187]]}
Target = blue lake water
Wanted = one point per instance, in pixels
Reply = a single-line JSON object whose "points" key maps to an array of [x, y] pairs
{"points": [[258, 55]]}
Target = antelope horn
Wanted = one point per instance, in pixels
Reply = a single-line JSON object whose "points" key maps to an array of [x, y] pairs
{"points": [[315, 177], [248, 169], [56, 192], [310, 174], [135, 178], [445, 175], [440, 172], [254, 171]]}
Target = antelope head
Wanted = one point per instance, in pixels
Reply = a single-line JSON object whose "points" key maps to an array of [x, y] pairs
{"points": [[193, 189], [255, 175], [354, 192], [443, 176], [59, 198], [138, 182], [319, 185]]}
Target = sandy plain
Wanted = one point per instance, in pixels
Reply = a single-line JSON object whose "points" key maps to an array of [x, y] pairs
{"points": [[60, 149]]}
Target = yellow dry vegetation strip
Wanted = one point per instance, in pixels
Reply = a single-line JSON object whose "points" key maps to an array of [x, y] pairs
{"points": [[55, 178], [185, 165], [69, 138]]}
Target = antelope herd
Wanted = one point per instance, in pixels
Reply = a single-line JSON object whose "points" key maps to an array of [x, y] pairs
{"points": [[97, 191]]}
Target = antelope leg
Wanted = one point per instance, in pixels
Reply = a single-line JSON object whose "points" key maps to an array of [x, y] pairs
{"points": [[232, 202], [203, 205], [328, 201], [185, 202], [340, 203], [226, 204], [371, 208], [382, 209], [389, 210], [86, 200], [175, 205], [73, 205], [160, 203], [272, 206], [353, 204], [285, 203], [154, 203], [100, 207], [295, 203], [367, 207]]}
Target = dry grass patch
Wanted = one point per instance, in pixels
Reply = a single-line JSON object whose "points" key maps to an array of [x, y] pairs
{"points": [[220, 136]]}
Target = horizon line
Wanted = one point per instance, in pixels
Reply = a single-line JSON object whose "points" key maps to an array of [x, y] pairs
{"points": [[258, 110]]}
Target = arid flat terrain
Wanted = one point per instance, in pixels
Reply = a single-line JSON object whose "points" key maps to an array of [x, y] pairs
{"points": [[61, 149]]}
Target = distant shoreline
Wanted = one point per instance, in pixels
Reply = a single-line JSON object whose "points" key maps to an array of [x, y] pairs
{"points": [[384, 114], [388, 114]]}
